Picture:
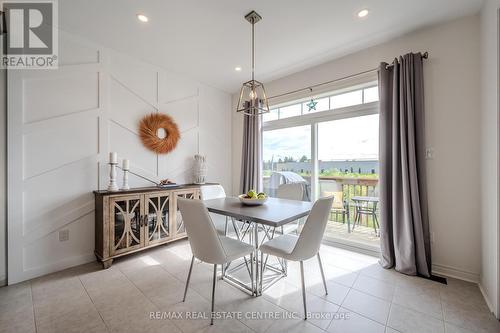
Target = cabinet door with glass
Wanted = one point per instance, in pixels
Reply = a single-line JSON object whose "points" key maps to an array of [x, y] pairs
{"points": [[178, 225], [126, 224], [157, 218]]}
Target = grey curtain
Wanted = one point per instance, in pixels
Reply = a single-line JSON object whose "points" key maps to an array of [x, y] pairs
{"points": [[250, 157], [404, 228]]}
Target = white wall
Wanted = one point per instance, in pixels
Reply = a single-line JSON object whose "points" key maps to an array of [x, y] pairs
{"points": [[490, 279], [452, 129], [62, 125]]}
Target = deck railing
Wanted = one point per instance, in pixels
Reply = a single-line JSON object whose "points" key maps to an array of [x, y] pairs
{"points": [[350, 187]]}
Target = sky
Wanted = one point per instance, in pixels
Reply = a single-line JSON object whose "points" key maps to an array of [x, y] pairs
{"points": [[345, 139]]}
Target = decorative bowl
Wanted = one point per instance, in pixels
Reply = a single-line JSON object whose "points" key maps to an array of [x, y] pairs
{"points": [[251, 202]]}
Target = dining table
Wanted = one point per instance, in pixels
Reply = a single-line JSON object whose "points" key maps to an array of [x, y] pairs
{"points": [[255, 225]]}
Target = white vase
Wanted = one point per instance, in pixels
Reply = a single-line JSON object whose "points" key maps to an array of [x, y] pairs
{"points": [[200, 169]]}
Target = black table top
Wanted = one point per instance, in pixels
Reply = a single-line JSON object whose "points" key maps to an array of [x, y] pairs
{"points": [[274, 212]]}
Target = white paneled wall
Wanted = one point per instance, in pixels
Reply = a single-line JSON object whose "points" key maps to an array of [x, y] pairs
{"points": [[63, 123]]}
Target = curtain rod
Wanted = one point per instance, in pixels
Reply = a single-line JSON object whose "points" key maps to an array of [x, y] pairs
{"points": [[425, 55]]}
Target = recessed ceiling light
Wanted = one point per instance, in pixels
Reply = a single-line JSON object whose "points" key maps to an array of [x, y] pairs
{"points": [[237, 68], [363, 13], [142, 17]]}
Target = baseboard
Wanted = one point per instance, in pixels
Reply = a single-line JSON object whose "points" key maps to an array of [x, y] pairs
{"points": [[52, 268], [438, 269], [487, 300], [455, 273]]}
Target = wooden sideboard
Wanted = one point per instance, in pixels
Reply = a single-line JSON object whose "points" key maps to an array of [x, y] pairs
{"points": [[137, 219]]}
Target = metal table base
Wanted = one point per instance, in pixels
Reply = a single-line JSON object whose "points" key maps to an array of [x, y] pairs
{"points": [[258, 266]]}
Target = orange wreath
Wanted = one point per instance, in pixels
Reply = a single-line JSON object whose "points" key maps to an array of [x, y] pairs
{"points": [[148, 132]]}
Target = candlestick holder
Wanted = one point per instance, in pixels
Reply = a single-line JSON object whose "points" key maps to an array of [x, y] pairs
{"points": [[112, 177], [125, 185]]}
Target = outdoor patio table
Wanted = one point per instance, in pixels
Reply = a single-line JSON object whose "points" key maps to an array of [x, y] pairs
{"points": [[266, 218], [365, 206]]}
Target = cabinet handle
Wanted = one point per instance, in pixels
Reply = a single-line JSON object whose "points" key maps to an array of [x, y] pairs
{"points": [[145, 220]]}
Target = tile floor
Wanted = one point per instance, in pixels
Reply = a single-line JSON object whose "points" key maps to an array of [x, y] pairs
{"points": [[362, 298]]}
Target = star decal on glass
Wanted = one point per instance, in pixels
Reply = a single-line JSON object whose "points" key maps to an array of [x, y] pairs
{"points": [[312, 105]]}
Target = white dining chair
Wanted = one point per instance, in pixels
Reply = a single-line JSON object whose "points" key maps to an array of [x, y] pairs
{"points": [[290, 192], [208, 192], [207, 245], [304, 246]]}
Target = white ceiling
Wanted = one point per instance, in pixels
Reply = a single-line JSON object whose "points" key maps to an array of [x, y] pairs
{"points": [[206, 39]]}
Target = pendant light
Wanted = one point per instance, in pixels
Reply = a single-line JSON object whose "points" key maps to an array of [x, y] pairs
{"points": [[253, 99]]}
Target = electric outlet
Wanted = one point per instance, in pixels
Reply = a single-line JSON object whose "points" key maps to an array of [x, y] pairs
{"points": [[429, 153], [64, 235]]}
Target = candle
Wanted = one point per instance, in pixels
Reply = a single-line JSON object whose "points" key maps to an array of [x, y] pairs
{"points": [[113, 158], [126, 164]]}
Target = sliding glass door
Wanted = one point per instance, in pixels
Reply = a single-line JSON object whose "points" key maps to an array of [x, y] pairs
{"points": [[332, 151], [348, 170]]}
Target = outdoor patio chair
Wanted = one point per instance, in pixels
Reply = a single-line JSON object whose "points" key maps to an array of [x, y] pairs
{"points": [[339, 205]]}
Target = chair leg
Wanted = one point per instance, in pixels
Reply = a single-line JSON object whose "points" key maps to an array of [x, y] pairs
{"points": [[214, 281], [303, 289], [188, 278], [355, 220], [322, 273], [226, 229]]}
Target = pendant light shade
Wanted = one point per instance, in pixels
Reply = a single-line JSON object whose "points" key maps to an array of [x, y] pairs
{"points": [[253, 99]]}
